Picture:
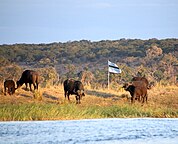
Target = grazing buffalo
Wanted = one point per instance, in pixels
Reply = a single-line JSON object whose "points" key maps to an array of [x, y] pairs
{"points": [[137, 90], [10, 85], [29, 76], [73, 87]]}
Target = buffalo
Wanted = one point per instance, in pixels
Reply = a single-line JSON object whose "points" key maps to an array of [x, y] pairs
{"points": [[29, 76], [137, 90], [10, 85], [71, 87]]}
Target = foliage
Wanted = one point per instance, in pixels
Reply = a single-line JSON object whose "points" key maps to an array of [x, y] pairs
{"points": [[156, 57], [41, 111]]}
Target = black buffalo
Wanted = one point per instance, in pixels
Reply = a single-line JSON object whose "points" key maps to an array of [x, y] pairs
{"points": [[10, 85], [137, 90], [29, 76], [73, 87]]}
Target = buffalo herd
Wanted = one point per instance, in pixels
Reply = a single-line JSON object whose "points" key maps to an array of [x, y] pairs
{"points": [[28, 76], [137, 87]]}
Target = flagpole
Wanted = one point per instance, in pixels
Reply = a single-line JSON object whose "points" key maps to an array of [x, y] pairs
{"points": [[108, 80], [108, 76]]}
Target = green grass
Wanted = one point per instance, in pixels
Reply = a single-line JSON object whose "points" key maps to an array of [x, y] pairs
{"points": [[49, 104], [43, 111]]}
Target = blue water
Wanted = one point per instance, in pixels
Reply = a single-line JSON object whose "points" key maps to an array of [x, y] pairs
{"points": [[95, 131]]}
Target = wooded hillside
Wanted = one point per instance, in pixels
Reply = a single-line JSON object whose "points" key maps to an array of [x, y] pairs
{"points": [[156, 59]]}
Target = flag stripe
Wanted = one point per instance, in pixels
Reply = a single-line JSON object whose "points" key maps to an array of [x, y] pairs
{"points": [[113, 67], [113, 70]]}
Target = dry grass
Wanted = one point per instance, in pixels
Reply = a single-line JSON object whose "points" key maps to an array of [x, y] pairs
{"points": [[162, 102], [164, 97]]}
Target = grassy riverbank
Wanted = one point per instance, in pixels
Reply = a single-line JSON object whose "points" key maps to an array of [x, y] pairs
{"points": [[162, 102]]}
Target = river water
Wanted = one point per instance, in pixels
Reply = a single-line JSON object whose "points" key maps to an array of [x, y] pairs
{"points": [[93, 131]]}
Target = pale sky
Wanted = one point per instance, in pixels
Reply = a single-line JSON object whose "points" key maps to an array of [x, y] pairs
{"points": [[47, 21]]}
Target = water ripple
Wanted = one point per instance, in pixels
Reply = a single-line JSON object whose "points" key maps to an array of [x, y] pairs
{"points": [[96, 131]]}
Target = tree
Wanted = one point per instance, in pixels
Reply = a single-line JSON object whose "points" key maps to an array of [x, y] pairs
{"points": [[154, 52], [86, 77], [168, 62]]}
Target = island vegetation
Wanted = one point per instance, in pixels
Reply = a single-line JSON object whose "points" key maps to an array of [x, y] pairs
{"points": [[84, 60]]}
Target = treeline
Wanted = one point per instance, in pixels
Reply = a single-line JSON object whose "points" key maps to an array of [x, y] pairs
{"points": [[156, 59]]}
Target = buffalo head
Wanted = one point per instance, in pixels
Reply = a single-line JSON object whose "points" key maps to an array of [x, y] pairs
{"points": [[80, 93]]}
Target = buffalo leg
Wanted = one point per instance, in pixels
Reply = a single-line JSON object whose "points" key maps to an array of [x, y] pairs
{"points": [[37, 86], [133, 99], [77, 99], [65, 94], [30, 86], [34, 86], [13, 90], [146, 98], [68, 96], [143, 98], [139, 99], [5, 90], [10, 90], [26, 84]]}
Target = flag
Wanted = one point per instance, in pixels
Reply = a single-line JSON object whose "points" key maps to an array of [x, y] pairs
{"points": [[113, 68]]}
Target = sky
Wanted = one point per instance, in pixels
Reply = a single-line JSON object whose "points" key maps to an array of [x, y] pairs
{"points": [[47, 21]]}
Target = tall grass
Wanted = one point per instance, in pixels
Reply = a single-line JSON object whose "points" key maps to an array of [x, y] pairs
{"points": [[41, 111], [49, 104]]}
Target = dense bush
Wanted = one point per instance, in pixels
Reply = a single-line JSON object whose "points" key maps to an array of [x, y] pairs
{"points": [[156, 59]]}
